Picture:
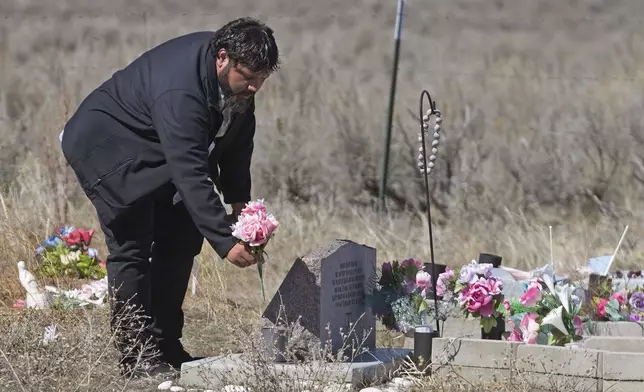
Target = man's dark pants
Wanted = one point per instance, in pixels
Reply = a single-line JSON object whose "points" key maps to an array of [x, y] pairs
{"points": [[151, 252]]}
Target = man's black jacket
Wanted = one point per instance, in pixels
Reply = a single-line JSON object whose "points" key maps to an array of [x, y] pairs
{"points": [[155, 122]]}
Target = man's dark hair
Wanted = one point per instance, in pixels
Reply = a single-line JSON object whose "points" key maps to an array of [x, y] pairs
{"points": [[249, 43]]}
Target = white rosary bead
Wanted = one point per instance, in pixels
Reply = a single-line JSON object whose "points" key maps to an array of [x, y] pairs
{"points": [[422, 171], [429, 112], [437, 135], [425, 125], [432, 158], [425, 118], [435, 143], [420, 157], [420, 164], [420, 149], [420, 138], [430, 164], [434, 150], [437, 128], [439, 120]]}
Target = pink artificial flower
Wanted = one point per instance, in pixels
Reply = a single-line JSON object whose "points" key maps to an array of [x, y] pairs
{"points": [[496, 285], [516, 335], [530, 328], [601, 307], [620, 298], [577, 323], [408, 262], [477, 298], [441, 282], [506, 305], [531, 297], [424, 280], [19, 304]]}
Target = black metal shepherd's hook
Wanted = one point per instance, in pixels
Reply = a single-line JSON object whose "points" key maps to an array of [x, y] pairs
{"points": [[425, 173]]}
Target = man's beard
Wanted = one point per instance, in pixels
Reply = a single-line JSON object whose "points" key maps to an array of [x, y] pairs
{"points": [[235, 102]]}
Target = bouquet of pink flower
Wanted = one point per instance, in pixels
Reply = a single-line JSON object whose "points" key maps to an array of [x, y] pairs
{"points": [[255, 226], [480, 294]]}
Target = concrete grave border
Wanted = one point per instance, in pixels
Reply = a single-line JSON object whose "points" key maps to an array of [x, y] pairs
{"points": [[479, 360]]}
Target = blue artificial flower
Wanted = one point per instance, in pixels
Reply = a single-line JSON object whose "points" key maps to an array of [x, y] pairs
{"points": [[40, 249], [52, 241], [92, 253], [66, 230]]}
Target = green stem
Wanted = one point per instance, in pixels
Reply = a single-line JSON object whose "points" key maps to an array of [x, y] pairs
{"points": [[261, 280]]}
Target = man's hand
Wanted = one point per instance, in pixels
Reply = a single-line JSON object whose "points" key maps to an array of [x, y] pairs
{"points": [[240, 256], [237, 209]]}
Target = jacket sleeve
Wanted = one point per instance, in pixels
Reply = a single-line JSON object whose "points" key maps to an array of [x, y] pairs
{"points": [[182, 123], [234, 167]]}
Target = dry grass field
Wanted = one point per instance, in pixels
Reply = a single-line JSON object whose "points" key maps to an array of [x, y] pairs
{"points": [[542, 104]]}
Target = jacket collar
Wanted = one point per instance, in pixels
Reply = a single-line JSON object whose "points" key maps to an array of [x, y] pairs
{"points": [[213, 92]]}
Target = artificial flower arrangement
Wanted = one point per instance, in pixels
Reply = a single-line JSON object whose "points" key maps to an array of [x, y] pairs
{"points": [[620, 306], [67, 253], [255, 226], [399, 296], [480, 295], [547, 314]]}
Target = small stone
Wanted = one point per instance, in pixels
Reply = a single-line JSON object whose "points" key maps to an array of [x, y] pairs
{"points": [[165, 385], [371, 389], [338, 388], [176, 388], [234, 388], [402, 382]]}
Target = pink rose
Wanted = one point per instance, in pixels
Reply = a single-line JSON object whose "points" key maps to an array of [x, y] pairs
{"points": [[255, 226], [254, 207], [477, 298]]}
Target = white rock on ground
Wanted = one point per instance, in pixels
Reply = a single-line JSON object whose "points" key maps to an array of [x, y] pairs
{"points": [[165, 385], [176, 388], [371, 389], [233, 388]]}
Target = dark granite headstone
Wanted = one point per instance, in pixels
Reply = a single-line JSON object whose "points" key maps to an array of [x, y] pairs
{"points": [[325, 290]]}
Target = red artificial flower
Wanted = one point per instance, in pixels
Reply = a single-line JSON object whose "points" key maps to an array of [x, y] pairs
{"points": [[79, 236], [86, 235], [74, 238]]}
